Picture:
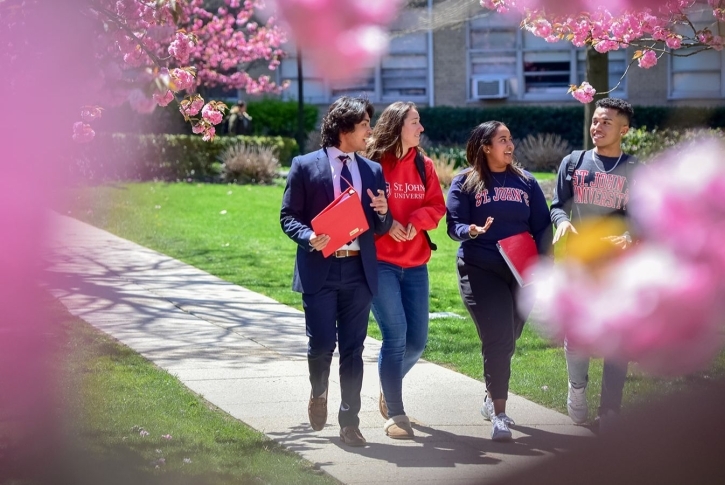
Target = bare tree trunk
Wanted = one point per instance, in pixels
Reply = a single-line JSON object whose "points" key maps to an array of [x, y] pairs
{"points": [[598, 77]]}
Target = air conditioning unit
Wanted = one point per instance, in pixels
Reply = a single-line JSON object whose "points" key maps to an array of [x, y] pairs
{"points": [[490, 87]]}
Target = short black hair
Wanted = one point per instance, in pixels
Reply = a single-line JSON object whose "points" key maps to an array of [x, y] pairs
{"points": [[342, 116], [241, 103], [620, 105]]}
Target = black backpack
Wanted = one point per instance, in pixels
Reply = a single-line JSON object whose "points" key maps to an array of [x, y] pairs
{"points": [[420, 165]]}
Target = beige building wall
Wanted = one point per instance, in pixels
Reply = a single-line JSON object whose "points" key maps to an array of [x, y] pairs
{"points": [[647, 87], [449, 61]]}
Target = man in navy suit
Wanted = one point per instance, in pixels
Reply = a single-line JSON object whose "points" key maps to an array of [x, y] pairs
{"points": [[336, 291]]}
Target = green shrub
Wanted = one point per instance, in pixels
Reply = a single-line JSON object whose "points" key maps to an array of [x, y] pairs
{"points": [[647, 144], [279, 118], [452, 154], [444, 124], [118, 156], [452, 126]]}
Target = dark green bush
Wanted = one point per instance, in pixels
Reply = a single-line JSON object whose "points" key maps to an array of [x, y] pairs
{"points": [[452, 126], [117, 156], [271, 117], [279, 118]]}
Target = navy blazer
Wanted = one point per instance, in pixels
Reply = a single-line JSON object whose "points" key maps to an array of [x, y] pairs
{"points": [[308, 191]]}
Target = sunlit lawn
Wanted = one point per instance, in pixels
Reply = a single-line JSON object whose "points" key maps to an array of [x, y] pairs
{"points": [[125, 421], [233, 232]]}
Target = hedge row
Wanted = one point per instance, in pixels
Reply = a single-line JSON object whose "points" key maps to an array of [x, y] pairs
{"points": [[279, 118], [452, 126], [271, 117], [120, 156]]}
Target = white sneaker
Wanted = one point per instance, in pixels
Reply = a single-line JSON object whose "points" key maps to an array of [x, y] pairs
{"points": [[499, 428], [487, 412], [487, 409], [576, 404]]}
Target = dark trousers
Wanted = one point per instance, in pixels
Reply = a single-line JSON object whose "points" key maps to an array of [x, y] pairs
{"points": [[489, 293], [339, 311]]}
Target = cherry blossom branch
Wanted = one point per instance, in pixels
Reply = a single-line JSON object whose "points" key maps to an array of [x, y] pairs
{"points": [[130, 33]]}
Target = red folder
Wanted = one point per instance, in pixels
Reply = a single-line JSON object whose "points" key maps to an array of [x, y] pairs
{"points": [[519, 252], [342, 220]]}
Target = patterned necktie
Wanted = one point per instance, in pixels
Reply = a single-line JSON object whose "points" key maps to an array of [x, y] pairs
{"points": [[345, 178], [345, 175]]}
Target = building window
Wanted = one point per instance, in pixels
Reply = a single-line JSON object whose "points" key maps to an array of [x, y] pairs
{"points": [[498, 49], [699, 75], [402, 74]]}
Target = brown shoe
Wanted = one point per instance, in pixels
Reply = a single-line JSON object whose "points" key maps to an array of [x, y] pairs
{"points": [[317, 412], [382, 405], [351, 436], [398, 428]]}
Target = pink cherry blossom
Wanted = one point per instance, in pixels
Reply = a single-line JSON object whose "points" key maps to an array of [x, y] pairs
{"points": [[142, 49], [181, 47], [210, 114], [335, 33], [660, 303], [614, 24], [191, 106], [82, 132], [90, 113], [648, 59], [680, 202], [674, 42], [649, 307], [164, 99], [584, 93], [209, 134], [181, 80]]}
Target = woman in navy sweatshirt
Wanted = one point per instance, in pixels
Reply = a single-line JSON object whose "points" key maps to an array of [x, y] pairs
{"points": [[492, 200]]}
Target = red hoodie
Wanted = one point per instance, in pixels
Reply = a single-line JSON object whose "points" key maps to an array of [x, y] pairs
{"points": [[409, 201]]}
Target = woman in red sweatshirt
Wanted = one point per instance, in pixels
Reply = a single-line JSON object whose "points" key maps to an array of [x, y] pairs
{"points": [[401, 305]]}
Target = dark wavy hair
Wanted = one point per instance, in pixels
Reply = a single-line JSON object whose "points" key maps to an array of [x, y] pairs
{"points": [[479, 177], [621, 106], [386, 137], [342, 116]]}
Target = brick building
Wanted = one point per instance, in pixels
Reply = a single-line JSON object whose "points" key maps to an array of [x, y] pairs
{"points": [[454, 53]]}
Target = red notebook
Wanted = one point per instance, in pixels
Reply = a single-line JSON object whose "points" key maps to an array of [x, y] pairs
{"points": [[342, 220], [519, 252]]}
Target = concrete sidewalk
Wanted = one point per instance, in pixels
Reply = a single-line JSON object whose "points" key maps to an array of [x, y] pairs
{"points": [[246, 353]]}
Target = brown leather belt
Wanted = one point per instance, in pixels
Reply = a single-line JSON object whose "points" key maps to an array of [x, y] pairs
{"points": [[344, 253]]}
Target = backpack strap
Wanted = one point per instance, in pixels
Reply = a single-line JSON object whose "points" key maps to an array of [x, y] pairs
{"points": [[575, 159], [420, 166]]}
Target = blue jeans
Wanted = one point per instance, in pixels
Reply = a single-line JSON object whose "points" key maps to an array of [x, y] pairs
{"points": [[401, 310]]}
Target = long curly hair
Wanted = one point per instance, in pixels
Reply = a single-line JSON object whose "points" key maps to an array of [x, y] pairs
{"points": [[479, 177], [342, 116], [386, 138]]}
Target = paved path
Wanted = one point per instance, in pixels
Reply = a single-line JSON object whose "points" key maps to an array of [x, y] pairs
{"points": [[245, 353]]}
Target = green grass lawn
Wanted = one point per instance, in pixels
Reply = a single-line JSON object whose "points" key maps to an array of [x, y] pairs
{"points": [[125, 421], [234, 232]]}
